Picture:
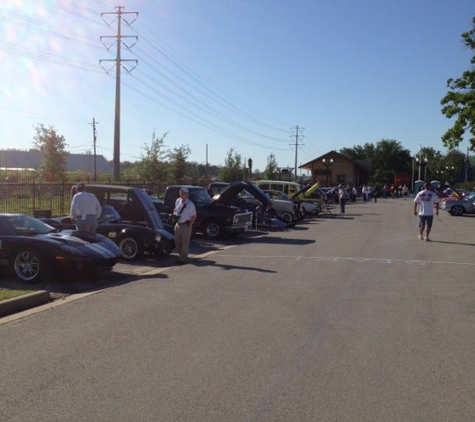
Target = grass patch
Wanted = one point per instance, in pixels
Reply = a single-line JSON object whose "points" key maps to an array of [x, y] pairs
{"points": [[9, 294]]}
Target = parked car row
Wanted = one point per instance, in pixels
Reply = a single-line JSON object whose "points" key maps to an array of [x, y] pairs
{"points": [[134, 225]]}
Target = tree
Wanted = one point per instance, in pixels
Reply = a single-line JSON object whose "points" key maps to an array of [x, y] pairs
{"points": [[390, 158], [153, 168], [270, 173], [460, 101], [52, 146], [358, 152], [178, 162], [233, 169]]}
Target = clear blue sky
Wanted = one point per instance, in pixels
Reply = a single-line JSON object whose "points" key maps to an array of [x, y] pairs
{"points": [[242, 74]]}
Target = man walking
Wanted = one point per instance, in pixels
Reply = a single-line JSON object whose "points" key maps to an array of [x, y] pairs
{"points": [[85, 209], [185, 212], [426, 199]]}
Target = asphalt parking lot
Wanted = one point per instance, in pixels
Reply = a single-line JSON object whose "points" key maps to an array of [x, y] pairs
{"points": [[344, 318]]}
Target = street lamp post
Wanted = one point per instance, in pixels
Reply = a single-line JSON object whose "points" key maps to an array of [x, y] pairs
{"points": [[422, 163], [450, 171], [327, 165]]}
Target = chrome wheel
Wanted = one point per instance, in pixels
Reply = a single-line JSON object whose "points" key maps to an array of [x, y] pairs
{"points": [[27, 265], [130, 248], [212, 230]]}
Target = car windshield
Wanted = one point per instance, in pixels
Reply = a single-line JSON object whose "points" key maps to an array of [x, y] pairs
{"points": [[109, 213], [25, 225], [200, 197]]}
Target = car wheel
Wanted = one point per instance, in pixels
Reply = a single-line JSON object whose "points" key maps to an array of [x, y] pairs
{"points": [[456, 210], [212, 229], [287, 217], [131, 249], [27, 265]]}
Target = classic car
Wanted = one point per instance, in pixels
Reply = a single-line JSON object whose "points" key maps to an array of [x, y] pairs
{"points": [[32, 250], [459, 207], [135, 239], [303, 208], [249, 195]]}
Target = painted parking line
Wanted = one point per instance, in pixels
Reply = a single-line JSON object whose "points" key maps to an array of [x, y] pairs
{"points": [[352, 259]]}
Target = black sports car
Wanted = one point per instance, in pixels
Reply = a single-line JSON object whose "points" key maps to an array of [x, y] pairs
{"points": [[34, 250], [134, 239]]}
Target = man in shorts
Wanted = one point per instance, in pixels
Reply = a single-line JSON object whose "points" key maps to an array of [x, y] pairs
{"points": [[427, 200]]}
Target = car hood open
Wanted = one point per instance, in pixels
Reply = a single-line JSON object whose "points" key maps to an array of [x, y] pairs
{"points": [[230, 192]]}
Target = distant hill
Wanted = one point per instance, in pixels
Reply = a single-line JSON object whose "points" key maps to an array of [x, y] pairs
{"points": [[13, 159]]}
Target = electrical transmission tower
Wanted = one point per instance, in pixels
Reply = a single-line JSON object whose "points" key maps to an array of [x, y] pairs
{"points": [[296, 144], [119, 40]]}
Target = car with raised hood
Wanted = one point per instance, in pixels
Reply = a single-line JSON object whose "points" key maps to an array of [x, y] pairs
{"points": [[216, 216], [33, 250], [458, 207], [135, 239]]}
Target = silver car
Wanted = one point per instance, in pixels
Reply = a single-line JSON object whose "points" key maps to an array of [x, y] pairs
{"points": [[459, 207]]}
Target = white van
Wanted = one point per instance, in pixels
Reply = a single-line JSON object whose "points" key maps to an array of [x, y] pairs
{"points": [[289, 188]]}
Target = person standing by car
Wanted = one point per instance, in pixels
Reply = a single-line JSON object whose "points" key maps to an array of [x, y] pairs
{"points": [[426, 199], [185, 214], [85, 210], [342, 197]]}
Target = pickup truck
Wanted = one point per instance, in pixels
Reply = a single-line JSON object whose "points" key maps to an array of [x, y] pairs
{"points": [[214, 217]]}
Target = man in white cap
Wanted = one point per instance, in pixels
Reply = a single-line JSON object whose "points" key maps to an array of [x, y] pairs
{"points": [[185, 212], [85, 210]]}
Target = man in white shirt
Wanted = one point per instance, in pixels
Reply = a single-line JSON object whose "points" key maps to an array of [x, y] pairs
{"points": [[185, 212], [427, 200], [85, 210]]}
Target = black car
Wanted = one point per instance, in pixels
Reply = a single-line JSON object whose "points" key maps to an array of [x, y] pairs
{"points": [[32, 250], [135, 239], [215, 216]]}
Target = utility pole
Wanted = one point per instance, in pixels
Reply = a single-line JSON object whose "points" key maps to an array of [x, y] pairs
{"points": [[296, 144], [118, 64], [94, 140]]}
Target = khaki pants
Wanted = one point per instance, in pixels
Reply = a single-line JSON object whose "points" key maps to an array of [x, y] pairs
{"points": [[182, 240]]}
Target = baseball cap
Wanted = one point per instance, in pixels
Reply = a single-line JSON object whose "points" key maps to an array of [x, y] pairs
{"points": [[184, 190], [80, 186]]}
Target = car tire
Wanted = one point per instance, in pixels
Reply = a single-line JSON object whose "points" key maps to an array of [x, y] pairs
{"points": [[287, 217], [456, 210], [27, 265], [131, 249], [212, 229]]}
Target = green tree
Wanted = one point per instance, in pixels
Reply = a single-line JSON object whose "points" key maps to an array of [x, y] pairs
{"points": [[178, 162], [360, 152], [249, 164], [153, 168], [460, 100], [233, 167], [390, 158], [270, 172], [53, 147]]}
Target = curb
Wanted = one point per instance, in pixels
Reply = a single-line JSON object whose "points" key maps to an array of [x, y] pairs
{"points": [[22, 303]]}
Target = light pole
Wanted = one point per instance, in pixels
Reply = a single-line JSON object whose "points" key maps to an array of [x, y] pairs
{"points": [[422, 163], [327, 165], [450, 171]]}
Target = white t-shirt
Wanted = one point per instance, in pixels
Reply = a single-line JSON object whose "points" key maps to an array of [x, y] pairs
{"points": [[85, 203], [426, 200]]}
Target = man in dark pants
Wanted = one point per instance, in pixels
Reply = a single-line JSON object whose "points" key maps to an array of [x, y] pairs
{"points": [[185, 212]]}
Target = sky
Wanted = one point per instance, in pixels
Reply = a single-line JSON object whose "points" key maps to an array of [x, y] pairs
{"points": [[223, 75]]}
